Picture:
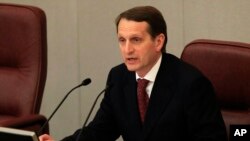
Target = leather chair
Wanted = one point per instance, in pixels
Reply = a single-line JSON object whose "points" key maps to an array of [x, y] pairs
{"points": [[23, 66], [227, 65]]}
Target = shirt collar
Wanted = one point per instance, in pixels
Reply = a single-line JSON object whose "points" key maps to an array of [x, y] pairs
{"points": [[151, 75]]}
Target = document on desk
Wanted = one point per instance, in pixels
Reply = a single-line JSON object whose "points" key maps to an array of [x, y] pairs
{"points": [[11, 134]]}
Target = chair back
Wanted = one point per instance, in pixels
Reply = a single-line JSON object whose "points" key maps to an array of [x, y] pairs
{"points": [[23, 59], [227, 65]]}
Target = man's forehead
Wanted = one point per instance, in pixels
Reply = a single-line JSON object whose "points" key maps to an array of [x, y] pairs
{"points": [[132, 27]]}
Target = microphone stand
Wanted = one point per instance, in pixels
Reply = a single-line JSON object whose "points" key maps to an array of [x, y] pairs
{"points": [[84, 83], [84, 125]]}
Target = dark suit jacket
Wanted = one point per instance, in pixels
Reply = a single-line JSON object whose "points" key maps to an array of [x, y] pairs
{"points": [[182, 107]]}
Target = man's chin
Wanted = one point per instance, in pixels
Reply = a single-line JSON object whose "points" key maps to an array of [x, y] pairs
{"points": [[131, 68]]}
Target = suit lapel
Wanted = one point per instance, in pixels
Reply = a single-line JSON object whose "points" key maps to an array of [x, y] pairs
{"points": [[131, 101], [161, 95]]}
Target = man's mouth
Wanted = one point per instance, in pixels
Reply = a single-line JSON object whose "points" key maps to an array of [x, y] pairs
{"points": [[131, 60]]}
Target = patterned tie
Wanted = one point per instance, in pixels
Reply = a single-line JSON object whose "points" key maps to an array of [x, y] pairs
{"points": [[142, 97]]}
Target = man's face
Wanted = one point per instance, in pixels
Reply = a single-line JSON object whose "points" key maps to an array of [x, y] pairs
{"points": [[139, 50]]}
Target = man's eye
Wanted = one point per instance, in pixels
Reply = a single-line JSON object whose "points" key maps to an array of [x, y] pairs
{"points": [[136, 40], [121, 40]]}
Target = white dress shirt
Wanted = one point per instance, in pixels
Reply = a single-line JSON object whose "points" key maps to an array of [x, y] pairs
{"points": [[151, 75]]}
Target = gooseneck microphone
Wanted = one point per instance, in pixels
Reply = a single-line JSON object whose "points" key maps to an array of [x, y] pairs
{"points": [[85, 82], [90, 112]]}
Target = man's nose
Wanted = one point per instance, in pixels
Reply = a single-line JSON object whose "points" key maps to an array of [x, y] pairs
{"points": [[128, 47]]}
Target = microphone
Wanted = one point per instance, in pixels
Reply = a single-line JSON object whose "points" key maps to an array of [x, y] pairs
{"points": [[90, 112], [85, 82]]}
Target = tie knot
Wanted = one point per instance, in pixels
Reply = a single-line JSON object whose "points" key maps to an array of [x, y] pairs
{"points": [[142, 83]]}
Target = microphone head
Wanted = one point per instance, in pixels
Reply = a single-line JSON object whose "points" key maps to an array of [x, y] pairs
{"points": [[86, 81]]}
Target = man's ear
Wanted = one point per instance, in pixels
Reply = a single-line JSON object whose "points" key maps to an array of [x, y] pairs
{"points": [[159, 41]]}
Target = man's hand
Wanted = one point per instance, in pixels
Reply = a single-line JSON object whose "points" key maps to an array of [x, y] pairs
{"points": [[45, 137]]}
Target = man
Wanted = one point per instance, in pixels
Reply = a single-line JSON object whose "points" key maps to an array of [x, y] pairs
{"points": [[181, 101]]}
